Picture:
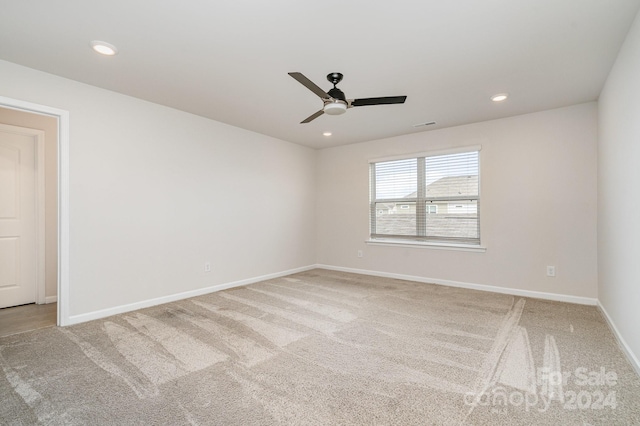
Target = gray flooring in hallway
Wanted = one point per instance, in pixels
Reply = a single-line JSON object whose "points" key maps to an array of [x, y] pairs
{"points": [[23, 318]]}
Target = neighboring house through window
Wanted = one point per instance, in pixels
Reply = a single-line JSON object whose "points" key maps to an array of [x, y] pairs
{"points": [[430, 198]]}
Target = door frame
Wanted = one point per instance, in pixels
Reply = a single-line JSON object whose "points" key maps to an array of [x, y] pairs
{"points": [[39, 195], [62, 117]]}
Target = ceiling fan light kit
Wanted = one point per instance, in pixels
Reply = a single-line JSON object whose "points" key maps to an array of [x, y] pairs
{"points": [[335, 102], [335, 108]]}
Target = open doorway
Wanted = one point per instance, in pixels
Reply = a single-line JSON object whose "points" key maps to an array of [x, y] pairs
{"points": [[52, 210], [28, 220]]}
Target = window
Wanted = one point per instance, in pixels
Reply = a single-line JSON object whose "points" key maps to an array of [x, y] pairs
{"points": [[429, 198]]}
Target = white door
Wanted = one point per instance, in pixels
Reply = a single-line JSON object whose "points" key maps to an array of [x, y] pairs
{"points": [[18, 219]]}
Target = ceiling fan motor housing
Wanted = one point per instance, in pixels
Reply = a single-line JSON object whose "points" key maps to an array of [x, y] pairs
{"points": [[336, 93]]}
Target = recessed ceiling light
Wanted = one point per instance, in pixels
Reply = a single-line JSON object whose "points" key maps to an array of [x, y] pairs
{"points": [[499, 97], [104, 48], [326, 134]]}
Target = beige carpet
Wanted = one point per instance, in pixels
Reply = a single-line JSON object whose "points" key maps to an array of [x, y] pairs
{"points": [[326, 348]]}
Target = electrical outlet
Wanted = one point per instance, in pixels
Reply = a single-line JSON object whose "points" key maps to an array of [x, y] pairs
{"points": [[360, 254], [551, 271], [207, 267]]}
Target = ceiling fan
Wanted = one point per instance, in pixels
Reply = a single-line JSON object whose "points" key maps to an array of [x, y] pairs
{"points": [[335, 103]]}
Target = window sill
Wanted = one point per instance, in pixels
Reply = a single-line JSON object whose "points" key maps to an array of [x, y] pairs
{"points": [[427, 245]]}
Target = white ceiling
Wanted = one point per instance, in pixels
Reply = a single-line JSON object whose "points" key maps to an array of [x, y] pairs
{"points": [[228, 60]]}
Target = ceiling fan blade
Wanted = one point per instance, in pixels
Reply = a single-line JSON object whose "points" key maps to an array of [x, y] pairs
{"points": [[312, 117], [309, 85], [378, 101]]}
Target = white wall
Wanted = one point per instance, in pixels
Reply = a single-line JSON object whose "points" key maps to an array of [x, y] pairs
{"points": [[155, 192], [538, 204], [618, 192]]}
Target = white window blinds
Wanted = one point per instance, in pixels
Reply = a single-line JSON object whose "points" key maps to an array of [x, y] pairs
{"points": [[428, 198]]}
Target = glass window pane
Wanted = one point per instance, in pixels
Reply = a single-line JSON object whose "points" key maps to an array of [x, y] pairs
{"points": [[395, 218], [452, 175], [397, 179], [453, 220], [446, 191]]}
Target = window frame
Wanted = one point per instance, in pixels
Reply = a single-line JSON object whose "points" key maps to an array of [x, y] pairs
{"points": [[422, 201]]}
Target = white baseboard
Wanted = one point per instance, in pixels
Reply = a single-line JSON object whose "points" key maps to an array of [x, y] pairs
{"points": [[50, 299], [633, 360], [77, 319], [482, 287]]}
